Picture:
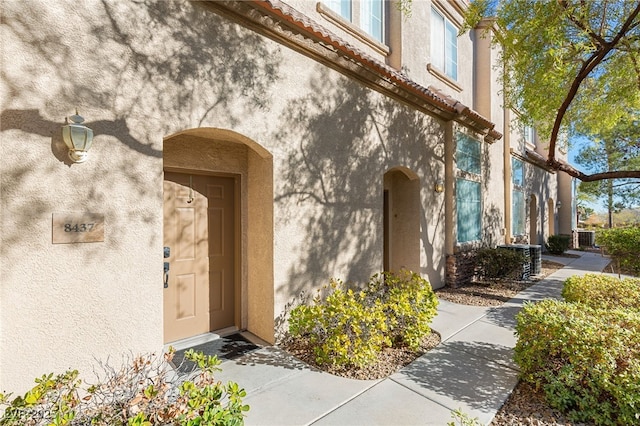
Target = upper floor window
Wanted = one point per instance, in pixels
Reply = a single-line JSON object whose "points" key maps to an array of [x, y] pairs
{"points": [[371, 18], [341, 7], [444, 44], [529, 135], [368, 15]]}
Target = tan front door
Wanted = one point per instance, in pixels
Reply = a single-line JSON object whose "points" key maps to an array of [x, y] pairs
{"points": [[199, 229]]}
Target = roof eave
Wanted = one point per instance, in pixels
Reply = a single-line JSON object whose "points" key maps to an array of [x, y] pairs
{"points": [[284, 24]]}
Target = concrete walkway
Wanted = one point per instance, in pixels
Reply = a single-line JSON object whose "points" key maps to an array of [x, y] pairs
{"points": [[471, 370]]}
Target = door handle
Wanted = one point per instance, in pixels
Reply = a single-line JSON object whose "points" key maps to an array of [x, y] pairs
{"points": [[166, 254]]}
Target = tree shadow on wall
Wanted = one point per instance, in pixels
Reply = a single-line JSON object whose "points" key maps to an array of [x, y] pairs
{"points": [[148, 68], [340, 139]]}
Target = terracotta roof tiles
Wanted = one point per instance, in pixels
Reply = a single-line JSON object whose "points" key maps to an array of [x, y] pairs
{"points": [[430, 94]]}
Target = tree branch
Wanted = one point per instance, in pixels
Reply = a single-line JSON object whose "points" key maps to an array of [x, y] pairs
{"points": [[572, 171], [601, 41], [586, 68]]}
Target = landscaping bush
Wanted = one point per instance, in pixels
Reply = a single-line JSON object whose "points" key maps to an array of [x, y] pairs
{"points": [[603, 291], [499, 263], [623, 245], [139, 394], [558, 244], [350, 328], [341, 328], [409, 305], [587, 361]]}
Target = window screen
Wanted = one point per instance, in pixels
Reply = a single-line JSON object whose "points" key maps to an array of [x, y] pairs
{"points": [[469, 208]]}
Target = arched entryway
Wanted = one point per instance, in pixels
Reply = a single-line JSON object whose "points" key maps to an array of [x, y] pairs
{"points": [[218, 219], [401, 220], [533, 220]]}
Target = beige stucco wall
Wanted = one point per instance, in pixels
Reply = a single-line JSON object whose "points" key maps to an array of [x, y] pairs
{"points": [[542, 186], [341, 140], [461, 89], [566, 218], [140, 73], [63, 305], [539, 184]]}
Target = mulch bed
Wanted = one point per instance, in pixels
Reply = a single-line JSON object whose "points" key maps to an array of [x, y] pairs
{"points": [[493, 293], [389, 360]]}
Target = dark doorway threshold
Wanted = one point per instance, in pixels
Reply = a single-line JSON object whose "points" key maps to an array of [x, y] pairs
{"points": [[225, 348]]}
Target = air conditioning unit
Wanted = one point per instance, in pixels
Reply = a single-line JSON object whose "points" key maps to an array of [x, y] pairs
{"points": [[586, 238], [526, 251], [536, 259]]}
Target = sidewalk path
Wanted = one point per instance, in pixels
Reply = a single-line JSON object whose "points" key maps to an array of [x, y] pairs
{"points": [[471, 370]]}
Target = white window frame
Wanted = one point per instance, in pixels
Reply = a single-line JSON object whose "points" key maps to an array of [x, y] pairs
{"points": [[372, 18], [368, 16], [444, 35], [529, 135], [341, 7]]}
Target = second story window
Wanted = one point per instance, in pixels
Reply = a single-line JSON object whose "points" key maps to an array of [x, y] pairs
{"points": [[371, 18], [529, 135], [341, 7], [367, 15], [444, 45]]}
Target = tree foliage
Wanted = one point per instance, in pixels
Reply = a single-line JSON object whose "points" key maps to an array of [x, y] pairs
{"points": [[568, 66], [617, 148]]}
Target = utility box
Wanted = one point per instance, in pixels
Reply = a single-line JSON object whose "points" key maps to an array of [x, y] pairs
{"points": [[536, 259], [586, 238], [525, 249]]}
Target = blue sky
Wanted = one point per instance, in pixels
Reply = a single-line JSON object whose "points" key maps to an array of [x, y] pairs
{"points": [[576, 143]]}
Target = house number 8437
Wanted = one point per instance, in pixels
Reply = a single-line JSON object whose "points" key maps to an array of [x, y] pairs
{"points": [[78, 227]]}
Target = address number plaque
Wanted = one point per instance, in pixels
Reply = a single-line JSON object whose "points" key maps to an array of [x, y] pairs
{"points": [[77, 228]]}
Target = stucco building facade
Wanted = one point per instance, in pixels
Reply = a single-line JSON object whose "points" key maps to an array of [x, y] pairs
{"points": [[270, 146]]}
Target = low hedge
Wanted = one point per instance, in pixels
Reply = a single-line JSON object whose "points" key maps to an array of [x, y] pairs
{"points": [[623, 245], [603, 291], [558, 244], [499, 263], [586, 360]]}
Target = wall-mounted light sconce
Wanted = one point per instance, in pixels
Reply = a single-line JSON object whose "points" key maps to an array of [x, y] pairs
{"points": [[439, 187], [77, 137], [558, 205]]}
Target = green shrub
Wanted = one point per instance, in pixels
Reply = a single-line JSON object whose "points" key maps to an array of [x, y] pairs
{"points": [[341, 328], [586, 360], [623, 245], [558, 244], [139, 394], [350, 328], [603, 291], [409, 305], [499, 263]]}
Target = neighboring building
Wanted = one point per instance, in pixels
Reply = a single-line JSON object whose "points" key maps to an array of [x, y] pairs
{"points": [[270, 146]]}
